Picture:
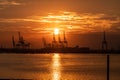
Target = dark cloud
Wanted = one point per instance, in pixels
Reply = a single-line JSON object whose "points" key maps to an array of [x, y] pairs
{"points": [[8, 3]]}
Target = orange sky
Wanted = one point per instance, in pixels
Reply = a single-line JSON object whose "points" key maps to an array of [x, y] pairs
{"points": [[83, 20]]}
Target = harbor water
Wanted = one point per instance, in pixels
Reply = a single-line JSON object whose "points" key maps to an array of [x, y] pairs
{"points": [[59, 66]]}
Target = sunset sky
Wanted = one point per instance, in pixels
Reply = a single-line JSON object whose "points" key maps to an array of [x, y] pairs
{"points": [[82, 20]]}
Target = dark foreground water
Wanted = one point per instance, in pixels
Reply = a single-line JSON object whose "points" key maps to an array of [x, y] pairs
{"points": [[56, 66]]}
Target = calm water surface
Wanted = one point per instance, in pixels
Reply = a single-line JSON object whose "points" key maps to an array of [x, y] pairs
{"points": [[57, 66]]}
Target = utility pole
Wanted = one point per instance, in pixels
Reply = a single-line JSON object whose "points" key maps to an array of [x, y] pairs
{"points": [[108, 66]]}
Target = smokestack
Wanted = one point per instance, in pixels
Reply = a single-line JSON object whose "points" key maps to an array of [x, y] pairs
{"points": [[13, 41]]}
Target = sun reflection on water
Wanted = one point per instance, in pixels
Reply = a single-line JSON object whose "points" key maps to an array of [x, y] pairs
{"points": [[56, 67]]}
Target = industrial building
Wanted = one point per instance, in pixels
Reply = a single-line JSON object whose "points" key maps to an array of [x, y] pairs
{"points": [[21, 43], [56, 41]]}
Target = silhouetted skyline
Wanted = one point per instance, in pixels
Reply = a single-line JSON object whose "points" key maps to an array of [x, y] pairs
{"points": [[83, 20]]}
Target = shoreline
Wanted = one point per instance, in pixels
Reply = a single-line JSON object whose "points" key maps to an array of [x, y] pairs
{"points": [[57, 50]]}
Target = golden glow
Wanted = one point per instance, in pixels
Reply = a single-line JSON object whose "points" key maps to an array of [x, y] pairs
{"points": [[56, 67], [81, 22], [56, 31]]}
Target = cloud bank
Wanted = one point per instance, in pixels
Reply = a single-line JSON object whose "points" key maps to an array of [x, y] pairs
{"points": [[70, 21]]}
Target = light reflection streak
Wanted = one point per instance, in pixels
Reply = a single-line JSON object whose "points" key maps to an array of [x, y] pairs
{"points": [[56, 67]]}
